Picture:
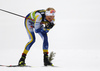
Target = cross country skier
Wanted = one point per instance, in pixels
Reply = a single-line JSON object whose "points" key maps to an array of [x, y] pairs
{"points": [[44, 21]]}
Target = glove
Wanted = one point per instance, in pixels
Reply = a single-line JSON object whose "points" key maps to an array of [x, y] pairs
{"points": [[49, 25]]}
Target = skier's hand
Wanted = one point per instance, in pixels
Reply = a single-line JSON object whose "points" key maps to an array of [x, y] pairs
{"points": [[49, 25]]}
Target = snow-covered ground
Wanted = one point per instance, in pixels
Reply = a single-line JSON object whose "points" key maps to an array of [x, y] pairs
{"points": [[75, 38], [66, 60]]}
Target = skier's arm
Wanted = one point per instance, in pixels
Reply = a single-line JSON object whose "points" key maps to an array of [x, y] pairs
{"points": [[38, 26]]}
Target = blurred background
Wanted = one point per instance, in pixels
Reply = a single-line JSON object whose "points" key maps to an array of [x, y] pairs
{"points": [[75, 38]]}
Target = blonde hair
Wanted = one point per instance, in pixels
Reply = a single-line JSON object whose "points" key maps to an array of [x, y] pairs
{"points": [[48, 9]]}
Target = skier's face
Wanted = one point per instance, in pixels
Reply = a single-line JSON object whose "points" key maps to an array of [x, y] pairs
{"points": [[49, 18]]}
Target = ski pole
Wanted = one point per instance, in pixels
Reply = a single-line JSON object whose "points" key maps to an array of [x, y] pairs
{"points": [[16, 14]]}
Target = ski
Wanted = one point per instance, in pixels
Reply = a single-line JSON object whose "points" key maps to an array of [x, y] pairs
{"points": [[14, 66], [50, 66], [23, 66]]}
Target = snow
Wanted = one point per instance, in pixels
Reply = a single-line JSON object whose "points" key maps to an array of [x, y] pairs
{"points": [[71, 60], [75, 38]]}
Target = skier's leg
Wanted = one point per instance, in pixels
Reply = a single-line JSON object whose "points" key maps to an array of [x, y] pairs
{"points": [[45, 42], [29, 28], [29, 25], [30, 43], [45, 49]]}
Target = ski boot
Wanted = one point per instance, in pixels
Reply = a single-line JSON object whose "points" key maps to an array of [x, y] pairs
{"points": [[22, 60], [46, 60]]}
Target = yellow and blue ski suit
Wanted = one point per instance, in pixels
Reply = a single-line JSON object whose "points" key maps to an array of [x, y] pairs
{"points": [[37, 26]]}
